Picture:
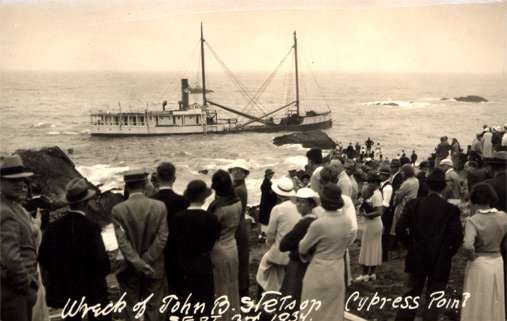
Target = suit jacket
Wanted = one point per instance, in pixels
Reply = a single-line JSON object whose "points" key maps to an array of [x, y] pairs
{"points": [[141, 225], [73, 254], [174, 203], [431, 229], [18, 250]]}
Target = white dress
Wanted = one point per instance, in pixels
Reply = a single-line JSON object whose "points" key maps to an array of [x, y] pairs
{"points": [[371, 240]]}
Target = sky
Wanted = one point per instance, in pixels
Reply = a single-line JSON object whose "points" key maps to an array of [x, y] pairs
{"points": [[253, 36]]}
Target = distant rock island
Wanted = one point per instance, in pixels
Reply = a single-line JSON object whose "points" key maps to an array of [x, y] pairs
{"points": [[387, 104], [309, 139], [469, 99]]}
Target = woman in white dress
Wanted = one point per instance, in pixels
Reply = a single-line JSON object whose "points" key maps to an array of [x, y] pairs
{"points": [[324, 246], [484, 278], [370, 255]]}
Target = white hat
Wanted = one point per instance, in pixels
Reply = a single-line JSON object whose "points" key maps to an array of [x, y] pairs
{"points": [[239, 163], [446, 161], [306, 192], [284, 187]]}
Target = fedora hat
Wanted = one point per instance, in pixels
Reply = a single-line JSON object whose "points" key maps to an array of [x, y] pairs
{"points": [[12, 167], [197, 188], [268, 171], [284, 187], [498, 159], [374, 178], [137, 175], [241, 164], [77, 191]]}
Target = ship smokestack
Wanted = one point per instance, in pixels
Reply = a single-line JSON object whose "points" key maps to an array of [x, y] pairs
{"points": [[185, 90]]}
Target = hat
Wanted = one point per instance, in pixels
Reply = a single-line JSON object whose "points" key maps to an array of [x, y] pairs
{"points": [[498, 158], [446, 161], [12, 167], [77, 191], [306, 192], [384, 170], [268, 171], [331, 197], [373, 178], [195, 189], [436, 176], [395, 163], [241, 164], [284, 187], [424, 164], [138, 175]]}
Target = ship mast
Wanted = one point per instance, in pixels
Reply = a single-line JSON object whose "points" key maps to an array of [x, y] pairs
{"points": [[203, 74], [297, 74]]}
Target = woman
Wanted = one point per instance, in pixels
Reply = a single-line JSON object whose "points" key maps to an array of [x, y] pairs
{"points": [[484, 277], [324, 246], [194, 233], [283, 218], [408, 191], [227, 209], [456, 153], [370, 255], [306, 201]]}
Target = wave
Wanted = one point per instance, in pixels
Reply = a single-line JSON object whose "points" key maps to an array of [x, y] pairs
{"points": [[43, 125], [397, 103], [105, 176]]}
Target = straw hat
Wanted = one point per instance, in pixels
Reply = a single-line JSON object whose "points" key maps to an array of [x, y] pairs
{"points": [[138, 175], [12, 168], [447, 162], [241, 164], [284, 187], [77, 191], [306, 192]]}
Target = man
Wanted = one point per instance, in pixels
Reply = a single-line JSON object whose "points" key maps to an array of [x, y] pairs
{"points": [[73, 254], [424, 168], [141, 228], [369, 143], [442, 150], [430, 228], [344, 181], [350, 152], [453, 188], [396, 177], [39, 205], [314, 157], [403, 158], [413, 157], [487, 143], [18, 250], [476, 147], [239, 171], [166, 176], [350, 168], [268, 201]]}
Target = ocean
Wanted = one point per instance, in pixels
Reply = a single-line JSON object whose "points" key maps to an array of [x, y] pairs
{"points": [[53, 108]]}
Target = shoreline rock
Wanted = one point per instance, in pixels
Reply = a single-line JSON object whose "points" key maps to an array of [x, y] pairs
{"points": [[308, 139], [471, 99]]}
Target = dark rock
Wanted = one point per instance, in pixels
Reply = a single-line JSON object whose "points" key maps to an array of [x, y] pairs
{"points": [[53, 169], [391, 104], [309, 139], [471, 99], [445, 98], [204, 171]]}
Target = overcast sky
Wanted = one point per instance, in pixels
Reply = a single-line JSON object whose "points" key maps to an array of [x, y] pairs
{"points": [[344, 36]]}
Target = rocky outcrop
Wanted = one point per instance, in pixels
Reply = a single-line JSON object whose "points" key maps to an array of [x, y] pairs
{"points": [[53, 169], [471, 99], [309, 139]]}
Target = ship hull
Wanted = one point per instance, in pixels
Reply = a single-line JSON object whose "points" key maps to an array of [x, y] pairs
{"points": [[322, 121]]}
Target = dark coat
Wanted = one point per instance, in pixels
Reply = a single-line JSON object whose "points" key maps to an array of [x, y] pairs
{"points": [[73, 254], [397, 181], [268, 201], [173, 203], [423, 185], [499, 184], [41, 204], [242, 239], [195, 233], [431, 229]]}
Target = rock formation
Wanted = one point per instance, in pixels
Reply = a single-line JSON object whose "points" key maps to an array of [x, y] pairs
{"points": [[471, 99], [309, 139]]}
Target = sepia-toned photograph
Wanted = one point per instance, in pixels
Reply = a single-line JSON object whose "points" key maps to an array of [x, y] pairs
{"points": [[253, 160]]}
